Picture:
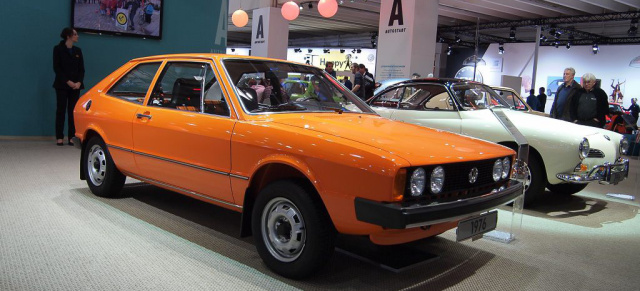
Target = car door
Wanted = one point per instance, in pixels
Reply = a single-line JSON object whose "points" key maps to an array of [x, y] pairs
{"points": [[182, 136], [120, 103], [428, 105]]}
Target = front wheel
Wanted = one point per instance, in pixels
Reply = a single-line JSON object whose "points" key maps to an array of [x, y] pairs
{"points": [[566, 189], [292, 231], [103, 178]]}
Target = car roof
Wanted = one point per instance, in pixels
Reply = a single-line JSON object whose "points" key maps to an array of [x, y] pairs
{"points": [[211, 56]]}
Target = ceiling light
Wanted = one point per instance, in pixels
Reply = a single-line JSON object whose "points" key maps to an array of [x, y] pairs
{"points": [[342, 51], [449, 50], [233, 50], [457, 39], [501, 48], [310, 50], [595, 48], [633, 30], [310, 5], [512, 33], [556, 44], [341, 2], [358, 50], [543, 38], [326, 51], [569, 45]]}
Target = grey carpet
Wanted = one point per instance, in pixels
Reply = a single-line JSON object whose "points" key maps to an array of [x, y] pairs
{"points": [[56, 235]]}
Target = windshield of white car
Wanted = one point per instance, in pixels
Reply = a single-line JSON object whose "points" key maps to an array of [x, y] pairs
{"points": [[270, 87], [477, 96]]}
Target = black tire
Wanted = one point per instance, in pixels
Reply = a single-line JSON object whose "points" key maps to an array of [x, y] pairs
{"points": [[308, 250], [535, 188], [566, 189], [103, 178]]}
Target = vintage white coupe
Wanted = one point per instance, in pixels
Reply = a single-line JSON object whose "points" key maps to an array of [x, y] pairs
{"points": [[563, 157]]}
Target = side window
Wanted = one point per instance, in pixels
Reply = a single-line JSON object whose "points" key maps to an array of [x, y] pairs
{"points": [[388, 99], [180, 86], [134, 85], [214, 101], [426, 97]]}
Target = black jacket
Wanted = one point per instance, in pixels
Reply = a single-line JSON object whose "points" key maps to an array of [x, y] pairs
{"points": [[565, 114], [67, 66], [602, 106]]}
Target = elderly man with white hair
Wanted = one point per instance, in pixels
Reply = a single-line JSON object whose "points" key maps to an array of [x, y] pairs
{"points": [[590, 105]]}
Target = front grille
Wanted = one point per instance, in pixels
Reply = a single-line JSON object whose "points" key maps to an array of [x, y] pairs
{"points": [[456, 181], [595, 153]]}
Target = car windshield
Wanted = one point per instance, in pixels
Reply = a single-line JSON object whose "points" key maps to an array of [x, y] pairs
{"points": [[269, 86], [511, 99], [477, 96]]}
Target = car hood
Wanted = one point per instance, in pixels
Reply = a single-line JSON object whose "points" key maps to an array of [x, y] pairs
{"points": [[551, 125], [416, 144]]}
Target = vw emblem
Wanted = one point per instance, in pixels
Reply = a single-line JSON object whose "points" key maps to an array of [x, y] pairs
{"points": [[607, 137], [473, 175]]}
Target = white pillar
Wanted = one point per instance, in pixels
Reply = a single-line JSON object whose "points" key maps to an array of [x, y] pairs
{"points": [[269, 33], [406, 38]]}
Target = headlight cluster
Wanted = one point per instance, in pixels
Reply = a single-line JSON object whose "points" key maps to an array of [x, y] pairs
{"points": [[419, 179], [584, 148], [624, 146], [501, 169]]}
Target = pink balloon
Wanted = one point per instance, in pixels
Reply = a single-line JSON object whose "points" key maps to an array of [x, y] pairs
{"points": [[239, 18], [327, 8], [290, 10]]}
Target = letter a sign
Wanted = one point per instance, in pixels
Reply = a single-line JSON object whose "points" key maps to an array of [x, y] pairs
{"points": [[396, 13], [260, 30]]}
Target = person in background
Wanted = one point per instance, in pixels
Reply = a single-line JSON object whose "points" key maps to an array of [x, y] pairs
{"points": [[68, 64], [590, 105], [358, 82], [415, 76], [532, 100], [347, 83], [634, 108], [368, 81], [148, 12], [329, 69], [566, 91], [133, 5], [542, 99]]}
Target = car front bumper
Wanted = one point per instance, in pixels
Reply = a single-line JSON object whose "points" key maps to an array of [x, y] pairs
{"points": [[604, 174], [398, 215]]}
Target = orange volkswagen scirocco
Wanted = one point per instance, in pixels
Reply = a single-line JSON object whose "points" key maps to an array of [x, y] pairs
{"points": [[225, 129]]}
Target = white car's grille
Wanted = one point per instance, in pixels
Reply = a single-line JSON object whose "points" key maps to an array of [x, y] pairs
{"points": [[595, 153]]}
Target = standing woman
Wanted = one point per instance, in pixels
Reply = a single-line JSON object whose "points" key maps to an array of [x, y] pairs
{"points": [[68, 65]]}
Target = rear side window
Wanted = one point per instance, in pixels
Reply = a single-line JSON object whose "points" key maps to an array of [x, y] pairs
{"points": [[134, 85], [426, 97], [388, 99]]}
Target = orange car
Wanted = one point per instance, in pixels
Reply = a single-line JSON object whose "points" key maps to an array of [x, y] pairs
{"points": [[221, 129]]}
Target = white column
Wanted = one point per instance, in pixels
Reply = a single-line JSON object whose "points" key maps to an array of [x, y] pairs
{"points": [[269, 33], [406, 38]]}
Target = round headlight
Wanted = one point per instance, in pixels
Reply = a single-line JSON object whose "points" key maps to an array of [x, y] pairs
{"points": [[418, 180], [506, 167], [624, 146], [497, 170], [584, 148], [437, 180]]}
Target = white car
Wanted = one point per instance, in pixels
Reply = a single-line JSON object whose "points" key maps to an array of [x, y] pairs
{"points": [[563, 157]]}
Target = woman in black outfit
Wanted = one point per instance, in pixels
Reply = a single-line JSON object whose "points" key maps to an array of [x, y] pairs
{"points": [[68, 65]]}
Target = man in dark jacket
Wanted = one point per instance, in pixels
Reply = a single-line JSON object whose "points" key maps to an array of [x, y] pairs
{"points": [[532, 100], [542, 98], [590, 105], [566, 91]]}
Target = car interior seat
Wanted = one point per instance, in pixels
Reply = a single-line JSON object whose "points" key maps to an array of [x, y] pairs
{"points": [[249, 98], [186, 92]]}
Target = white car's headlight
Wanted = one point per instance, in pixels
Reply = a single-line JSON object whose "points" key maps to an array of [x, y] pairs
{"points": [[437, 180], [417, 182], [497, 170], [583, 149], [624, 146], [506, 167]]}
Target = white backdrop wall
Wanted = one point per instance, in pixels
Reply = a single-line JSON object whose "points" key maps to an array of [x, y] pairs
{"points": [[612, 62]]}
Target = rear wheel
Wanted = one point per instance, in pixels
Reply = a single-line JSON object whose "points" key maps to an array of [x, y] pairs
{"points": [[103, 178], [292, 231], [566, 189]]}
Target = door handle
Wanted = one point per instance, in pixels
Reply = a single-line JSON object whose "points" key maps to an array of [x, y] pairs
{"points": [[141, 116]]}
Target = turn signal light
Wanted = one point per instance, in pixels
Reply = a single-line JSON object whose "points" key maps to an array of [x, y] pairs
{"points": [[398, 185]]}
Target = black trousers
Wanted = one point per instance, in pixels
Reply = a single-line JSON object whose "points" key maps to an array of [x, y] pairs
{"points": [[66, 102]]}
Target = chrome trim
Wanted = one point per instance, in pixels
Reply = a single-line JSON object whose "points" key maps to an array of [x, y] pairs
{"points": [[184, 190], [595, 153], [179, 163], [600, 173]]}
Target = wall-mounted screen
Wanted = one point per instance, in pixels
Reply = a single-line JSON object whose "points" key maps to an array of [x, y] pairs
{"points": [[141, 18]]}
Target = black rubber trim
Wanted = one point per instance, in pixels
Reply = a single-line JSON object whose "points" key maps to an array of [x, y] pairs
{"points": [[395, 215]]}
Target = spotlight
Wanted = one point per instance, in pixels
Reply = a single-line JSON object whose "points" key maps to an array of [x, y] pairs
{"points": [[568, 45], [552, 31], [342, 51], [512, 33], [326, 51], [358, 50], [310, 50], [297, 50], [341, 2], [633, 30], [557, 34], [353, 51], [595, 48], [543, 38], [301, 8], [310, 5], [501, 48], [555, 44], [233, 50], [449, 50], [440, 39], [457, 39]]}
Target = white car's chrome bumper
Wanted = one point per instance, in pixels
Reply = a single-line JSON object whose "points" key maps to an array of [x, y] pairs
{"points": [[604, 174]]}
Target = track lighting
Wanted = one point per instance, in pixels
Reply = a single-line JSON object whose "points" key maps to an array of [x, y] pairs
{"points": [[297, 50], [633, 30], [512, 33], [342, 51], [543, 38], [449, 50], [501, 48], [353, 51], [457, 39], [555, 44], [326, 51], [310, 50], [233, 50], [440, 39], [358, 51], [595, 48], [568, 45]]}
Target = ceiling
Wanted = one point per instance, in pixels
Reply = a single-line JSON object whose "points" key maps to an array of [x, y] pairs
{"points": [[579, 21]]}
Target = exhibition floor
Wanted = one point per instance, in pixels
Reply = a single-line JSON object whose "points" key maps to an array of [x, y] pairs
{"points": [[56, 235]]}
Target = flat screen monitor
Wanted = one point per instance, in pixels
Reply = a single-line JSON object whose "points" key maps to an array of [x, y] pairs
{"points": [[141, 18]]}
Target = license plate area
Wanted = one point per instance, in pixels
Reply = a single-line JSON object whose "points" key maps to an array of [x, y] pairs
{"points": [[615, 178], [476, 226]]}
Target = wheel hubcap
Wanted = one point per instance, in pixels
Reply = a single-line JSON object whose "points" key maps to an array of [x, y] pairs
{"points": [[96, 165], [283, 229]]}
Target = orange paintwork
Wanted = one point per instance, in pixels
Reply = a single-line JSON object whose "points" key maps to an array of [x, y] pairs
{"points": [[343, 155]]}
